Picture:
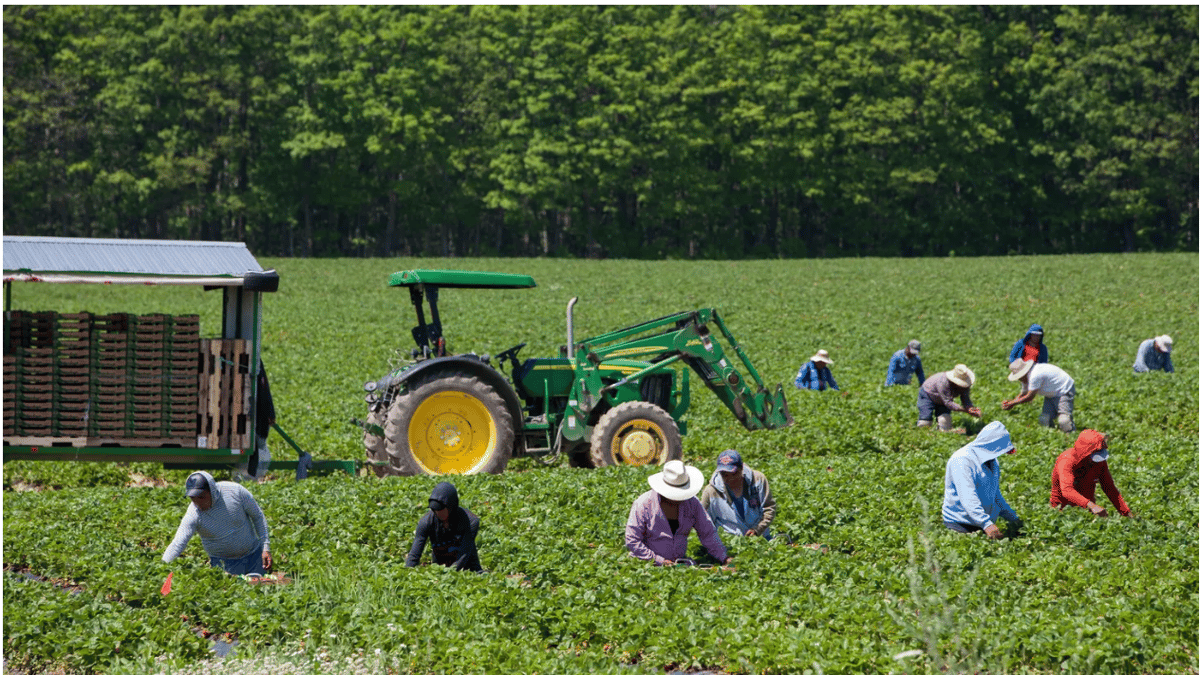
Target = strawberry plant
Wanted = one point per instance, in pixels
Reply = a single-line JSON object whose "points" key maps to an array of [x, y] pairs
{"points": [[853, 476]]}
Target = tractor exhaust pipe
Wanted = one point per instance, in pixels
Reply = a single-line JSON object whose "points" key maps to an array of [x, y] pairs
{"points": [[571, 327]]}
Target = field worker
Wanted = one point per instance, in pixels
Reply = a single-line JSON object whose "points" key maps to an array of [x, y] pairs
{"points": [[232, 527], [256, 463], [1030, 347], [1051, 382], [1154, 354], [450, 530], [738, 499], [936, 397], [972, 500], [904, 364], [661, 519], [815, 373], [1076, 472]]}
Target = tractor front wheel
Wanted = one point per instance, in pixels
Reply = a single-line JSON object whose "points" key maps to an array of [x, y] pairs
{"points": [[448, 423], [636, 433]]}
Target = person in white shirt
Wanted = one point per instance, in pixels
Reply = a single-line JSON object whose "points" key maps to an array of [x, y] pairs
{"points": [[1050, 381]]}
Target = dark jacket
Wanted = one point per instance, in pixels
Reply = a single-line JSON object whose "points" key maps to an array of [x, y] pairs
{"points": [[452, 544], [264, 409], [1019, 346]]}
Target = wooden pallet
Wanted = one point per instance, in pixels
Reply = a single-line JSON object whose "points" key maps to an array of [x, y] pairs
{"points": [[224, 393]]}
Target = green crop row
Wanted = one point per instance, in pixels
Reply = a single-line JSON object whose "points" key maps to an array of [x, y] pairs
{"points": [[853, 475]]}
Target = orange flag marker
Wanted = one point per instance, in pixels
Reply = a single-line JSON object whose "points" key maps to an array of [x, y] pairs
{"points": [[166, 587]]}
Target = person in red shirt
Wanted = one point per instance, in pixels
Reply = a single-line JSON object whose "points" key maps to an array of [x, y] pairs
{"points": [[1078, 469]]}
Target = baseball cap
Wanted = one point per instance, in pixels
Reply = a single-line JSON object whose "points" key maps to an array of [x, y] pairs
{"points": [[1101, 456], [729, 461], [915, 346], [196, 485], [435, 505]]}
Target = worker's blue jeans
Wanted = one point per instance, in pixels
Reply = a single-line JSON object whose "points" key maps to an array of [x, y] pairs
{"points": [[250, 563]]}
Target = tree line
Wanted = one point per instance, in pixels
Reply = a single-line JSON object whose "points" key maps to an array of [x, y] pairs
{"points": [[615, 131]]}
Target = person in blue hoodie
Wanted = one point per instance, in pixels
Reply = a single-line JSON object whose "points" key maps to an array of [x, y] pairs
{"points": [[450, 530], [1030, 347], [738, 499], [972, 500]]}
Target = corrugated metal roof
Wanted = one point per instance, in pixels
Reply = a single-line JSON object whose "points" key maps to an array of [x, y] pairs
{"points": [[151, 257]]}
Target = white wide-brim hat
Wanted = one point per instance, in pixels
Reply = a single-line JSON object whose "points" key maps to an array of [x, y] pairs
{"points": [[1019, 369], [821, 356], [677, 481], [962, 376], [1164, 343]]}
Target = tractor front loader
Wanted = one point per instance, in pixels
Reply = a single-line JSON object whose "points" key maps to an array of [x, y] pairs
{"points": [[611, 399]]}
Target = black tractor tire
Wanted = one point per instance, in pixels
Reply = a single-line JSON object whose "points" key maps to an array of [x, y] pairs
{"points": [[448, 423], [376, 445], [636, 433]]}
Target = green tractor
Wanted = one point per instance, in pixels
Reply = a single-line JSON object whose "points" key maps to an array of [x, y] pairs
{"points": [[607, 400]]}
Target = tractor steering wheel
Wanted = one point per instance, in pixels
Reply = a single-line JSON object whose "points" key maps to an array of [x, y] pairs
{"points": [[510, 354]]}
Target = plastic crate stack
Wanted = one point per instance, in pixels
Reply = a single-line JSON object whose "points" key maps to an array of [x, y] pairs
{"points": [[112, 376], [163, 389], [28, 373]]}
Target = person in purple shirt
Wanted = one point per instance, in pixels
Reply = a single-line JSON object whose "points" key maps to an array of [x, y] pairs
{"points": [[661, 518]]}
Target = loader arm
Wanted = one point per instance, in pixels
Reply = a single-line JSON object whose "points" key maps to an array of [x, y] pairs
{"points": [[688, 337]]}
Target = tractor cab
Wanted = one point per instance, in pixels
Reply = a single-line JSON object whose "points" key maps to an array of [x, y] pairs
{"points": [[424, 284]]}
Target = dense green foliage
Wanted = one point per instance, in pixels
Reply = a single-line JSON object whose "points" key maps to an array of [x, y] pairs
{"points": [[622, 131], [1075, 594]]}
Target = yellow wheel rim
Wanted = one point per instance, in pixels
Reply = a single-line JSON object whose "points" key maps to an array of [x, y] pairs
{"points": [[452, 432], [639, 442]]}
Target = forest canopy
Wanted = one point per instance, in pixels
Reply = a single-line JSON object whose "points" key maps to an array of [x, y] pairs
{"points": [[615, 131]]}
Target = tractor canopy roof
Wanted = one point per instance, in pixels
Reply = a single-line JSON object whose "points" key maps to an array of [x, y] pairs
{"points": [[461, 279]]}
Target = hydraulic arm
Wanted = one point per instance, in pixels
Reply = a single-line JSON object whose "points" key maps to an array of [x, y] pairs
{"points": [[688, 337]]}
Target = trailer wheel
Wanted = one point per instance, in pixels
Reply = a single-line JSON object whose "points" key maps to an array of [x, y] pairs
{"points": [[636, 433], [375, 443], [448, 423]]}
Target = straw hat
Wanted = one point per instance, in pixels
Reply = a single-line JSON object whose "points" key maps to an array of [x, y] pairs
{"points": [[822, 356], [962, 376], [677, 481], [1018, 369]]}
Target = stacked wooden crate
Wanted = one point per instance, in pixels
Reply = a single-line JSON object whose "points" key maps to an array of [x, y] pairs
{"points": [[102, 379]]}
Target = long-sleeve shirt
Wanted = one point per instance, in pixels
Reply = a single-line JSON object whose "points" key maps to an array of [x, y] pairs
{"points": [[1076, 474], [902, 367], [648, 534], [942, 392], [817, 379], [1149, 358], [231, 528]]}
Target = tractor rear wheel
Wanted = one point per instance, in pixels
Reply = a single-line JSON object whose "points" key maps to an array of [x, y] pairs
{"points": [[448, 423], [376, 444], [636, 433]]}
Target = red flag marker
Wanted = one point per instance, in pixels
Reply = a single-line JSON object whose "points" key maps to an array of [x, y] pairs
{"points": [[167, 584]]}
